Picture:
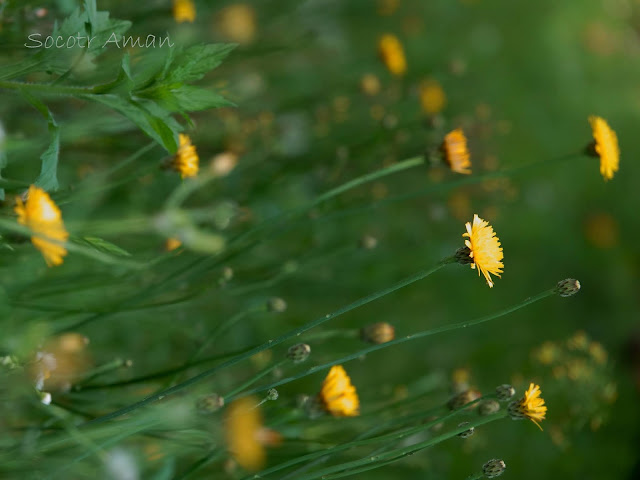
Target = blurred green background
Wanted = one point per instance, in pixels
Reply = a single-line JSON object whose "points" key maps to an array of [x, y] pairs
{"points": [[520, 78]]}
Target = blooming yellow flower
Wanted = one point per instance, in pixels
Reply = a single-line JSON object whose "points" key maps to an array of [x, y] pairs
{"points": [[484, 247], [455, 151], [186, 160], [172, 244], [44, 219], [432, 97], [530, 406], [245, 434], [606, 146], [392, 54], [184, 11], [338, 395]]}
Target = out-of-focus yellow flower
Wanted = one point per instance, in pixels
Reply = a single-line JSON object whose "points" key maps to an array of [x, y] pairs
{"points": [[432, 97], [42, 216], [338, 395], [606, 146], [172, 244], [530, 406], [186, 160], [184, 11], [59, 361], [370, 84], [224, 163], [392, 54], [456, 153], [484, 248], [245, 434], [601, 230], [238, 23]]}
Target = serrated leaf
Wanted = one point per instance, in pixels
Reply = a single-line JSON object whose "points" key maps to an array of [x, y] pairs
{"points": [[154, 121], [101, 245], [48, 178], [196, 61], [192, 99]]}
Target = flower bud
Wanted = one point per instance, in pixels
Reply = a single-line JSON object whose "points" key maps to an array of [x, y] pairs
{"points": [[466, 433], [277, 305], [272, 394], [568, 287], [463, 398], [378, 333], [210, 403], [488, 407], [368, 242], [493, 468], [299, 353], [505, 392]]}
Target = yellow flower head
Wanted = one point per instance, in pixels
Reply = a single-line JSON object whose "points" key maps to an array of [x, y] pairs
{"points": [[338, 395], [392, 54], [172, 244], [530, 406], [455, 151], [606, 146], [237, 23], [43, 218], [245, 434], [184, 11], [432, 97], [186, 160], [484, 247]]}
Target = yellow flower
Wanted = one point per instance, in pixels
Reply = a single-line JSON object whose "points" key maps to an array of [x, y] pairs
{"points": [[455, 151], [245, 434], [432, 97], [186, 159], [43, 218], [392, 54], [172, 244], [484, 247], [530, 406], [237, 23], [338, 395], [606, 146], [184, 11]]}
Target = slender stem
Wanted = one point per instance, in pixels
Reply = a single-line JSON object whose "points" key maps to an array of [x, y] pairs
{"points": [[370, 441], [271, 343], [408, 338], [371, 462], [229, 397], [46, 88]]}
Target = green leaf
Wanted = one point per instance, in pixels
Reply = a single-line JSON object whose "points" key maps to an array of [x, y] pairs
{"points": [[191, 99], [48, 178], [196, 61], [101, 245], [154, 121]]}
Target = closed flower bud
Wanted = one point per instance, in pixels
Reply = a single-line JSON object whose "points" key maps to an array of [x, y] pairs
{"points": [[272, 394], [277, 305], [568, 287], [378, 333], [493, 468], [299, 353], [463, 398], [466, 433], [210, 403], [488, 407], [505, 392]]}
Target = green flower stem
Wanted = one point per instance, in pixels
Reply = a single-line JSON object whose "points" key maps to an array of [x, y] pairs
{"points": [[271, 343], [371, 462], [393, 436], [236, 392], [219, 330], [46, 88], [408, 338], [203, 462], [275, 223], [475, 476], [109, 367]]}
